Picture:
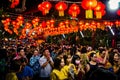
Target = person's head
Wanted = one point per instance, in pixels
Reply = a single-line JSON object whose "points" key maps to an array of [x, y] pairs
{"points": [[58, 63], [16, 66], [84, 50], [60, 54], [113, 57], [116, 57], [46, 53], [35, 52], [89, 48], [93, 56], [115, 50], [102, 74], [67, 59], [76, 60], [62, 64], [102, 52], [21, 51], [23, 62]]}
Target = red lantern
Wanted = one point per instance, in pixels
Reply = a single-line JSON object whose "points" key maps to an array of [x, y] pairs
{"points": [[52, 22], [100, 6], [74, 10], [14, 3], [89, 5], [20, 18], [117, 22], [99, 13], [35, 22], [47, 6], [67, 23], [13, 22], [61, 6], [118, 12], [40, 7], [12, 6], [48, 24], [27, 25], [43, 24]]}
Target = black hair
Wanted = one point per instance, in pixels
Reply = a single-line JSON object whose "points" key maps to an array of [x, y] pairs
{"points": [[60, 52], [15, 65], [57, 62], [3, 53], [74, 58], [102, 74], [83, 50], [111, 57], [92, 54], [65, 58], [19, 49], [101, 50]]}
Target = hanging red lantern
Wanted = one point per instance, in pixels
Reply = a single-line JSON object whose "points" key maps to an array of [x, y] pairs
{"points": [[48, 24], [89, 5], [99, 10], [61, 6], [40, 7], [52, 21], [43, 24], [12, 6], [35, 22], [100, 6], [99, 13], [67, 23], [46, 6], [14, 3], [20, 18], [118, 12], [74, 10], [27, 25], [117, 23], [14, 22]]}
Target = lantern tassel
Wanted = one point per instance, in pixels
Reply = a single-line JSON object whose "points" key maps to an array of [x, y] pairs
{"points": [[98, 15], [61, 13], [89, 14]]}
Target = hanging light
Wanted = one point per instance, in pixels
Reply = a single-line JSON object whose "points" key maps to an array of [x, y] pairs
{"points": [[89, 5], [61, 7], [74, 10]]}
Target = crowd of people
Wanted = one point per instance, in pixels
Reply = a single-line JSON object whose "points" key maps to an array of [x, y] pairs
{"points": [[50, 61]]}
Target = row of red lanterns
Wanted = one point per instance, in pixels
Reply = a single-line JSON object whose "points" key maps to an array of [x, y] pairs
{"points": [[74, 9], [35, 23]]}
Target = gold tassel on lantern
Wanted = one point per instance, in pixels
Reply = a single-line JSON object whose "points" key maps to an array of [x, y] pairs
{"points": [[89, 14], [74, 14], [61, 13], [46, 11], [98, 14]]}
